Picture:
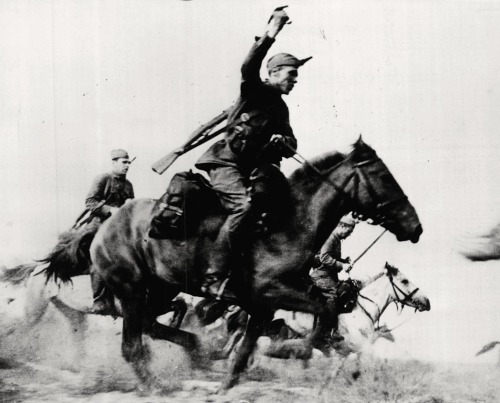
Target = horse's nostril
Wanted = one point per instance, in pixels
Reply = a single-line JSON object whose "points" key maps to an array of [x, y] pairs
{"points": [[419, 230], [416, 234]]}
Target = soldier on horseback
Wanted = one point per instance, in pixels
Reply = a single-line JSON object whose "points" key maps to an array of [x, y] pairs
{"points": [[328, 263], [108, 193], [110, 190], [258, 133]]}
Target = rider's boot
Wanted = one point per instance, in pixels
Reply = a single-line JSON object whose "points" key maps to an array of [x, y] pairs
{"points": [[217, 275], [327, 335], [215, 285], [103, 299], [335, 336]]}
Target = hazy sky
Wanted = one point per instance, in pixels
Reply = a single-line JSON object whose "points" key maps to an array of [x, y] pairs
{"points": [[420, 80]]}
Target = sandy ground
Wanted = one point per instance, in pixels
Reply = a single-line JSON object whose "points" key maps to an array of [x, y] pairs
{"points": [[76, 358]]}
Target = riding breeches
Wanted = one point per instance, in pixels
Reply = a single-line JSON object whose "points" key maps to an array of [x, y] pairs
{"points": [[231, 186], [326, 284]]}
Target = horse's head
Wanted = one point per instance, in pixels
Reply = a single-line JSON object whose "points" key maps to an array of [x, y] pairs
{"points": [[404, 291], [376, 195]]}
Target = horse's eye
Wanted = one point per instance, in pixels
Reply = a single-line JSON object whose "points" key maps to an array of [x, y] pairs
{"points": [[405, 282]]}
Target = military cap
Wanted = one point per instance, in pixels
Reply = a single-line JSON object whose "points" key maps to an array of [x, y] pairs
{"points": [[285, 59], [119, 153], [348, 220]]}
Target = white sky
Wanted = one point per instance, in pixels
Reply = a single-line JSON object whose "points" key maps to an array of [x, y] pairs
{"points": [[419, 79]]}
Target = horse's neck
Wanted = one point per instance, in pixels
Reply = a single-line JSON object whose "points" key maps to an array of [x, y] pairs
{"points": [[319, 206], [376, 297]]}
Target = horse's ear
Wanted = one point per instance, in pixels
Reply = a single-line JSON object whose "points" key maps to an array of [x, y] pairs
{"points": [[362, 151], [390, 269]]}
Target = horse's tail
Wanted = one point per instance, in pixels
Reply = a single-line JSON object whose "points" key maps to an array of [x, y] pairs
{"points": [[71, 256], [18, 274]]}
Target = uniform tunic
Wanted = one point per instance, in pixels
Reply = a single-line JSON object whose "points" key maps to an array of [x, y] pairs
{"points": [[114, 189], [325, 277], [269, 115], [258, 113]]}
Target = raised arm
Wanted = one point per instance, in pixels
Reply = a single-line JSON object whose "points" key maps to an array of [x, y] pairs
{"points": [[251, 66]]}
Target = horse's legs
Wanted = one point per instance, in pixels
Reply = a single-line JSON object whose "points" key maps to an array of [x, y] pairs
{"points": [[255, 328], [133, 349], [159, 301]]}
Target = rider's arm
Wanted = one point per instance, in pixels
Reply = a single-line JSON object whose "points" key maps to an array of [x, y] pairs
{"points": [[288, 150], [328, 260], [130, 190], [97, 194], [330, 253], [250, 70]]}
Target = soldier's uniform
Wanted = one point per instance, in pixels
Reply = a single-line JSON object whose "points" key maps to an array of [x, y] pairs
{"points": [[328, 263], [108, 190], [324, 275], [258, 113]]}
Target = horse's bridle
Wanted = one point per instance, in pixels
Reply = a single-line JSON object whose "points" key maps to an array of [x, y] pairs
{"points": [[403, 301], [396, 288], [379, 213]]}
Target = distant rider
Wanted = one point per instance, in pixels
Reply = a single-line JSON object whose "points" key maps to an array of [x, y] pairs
{"points": [[259, 118], [324, 275], [108, 193]]}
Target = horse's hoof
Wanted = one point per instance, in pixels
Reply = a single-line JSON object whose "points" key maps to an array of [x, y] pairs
{"points": [[147, 386], [226, 385], [144, 390], [222, 391]]}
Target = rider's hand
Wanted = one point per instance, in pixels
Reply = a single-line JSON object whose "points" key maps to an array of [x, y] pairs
{"points": [[277, 138], [280, 143], [346, 267], [278, 19]]}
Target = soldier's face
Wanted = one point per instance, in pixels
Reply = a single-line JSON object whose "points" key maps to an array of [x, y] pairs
{"points": [[284, 79], [120, 166], [345, 230]]}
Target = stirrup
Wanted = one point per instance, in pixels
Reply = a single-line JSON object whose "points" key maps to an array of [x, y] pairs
{"points": [[220, 293], [221, 289]]}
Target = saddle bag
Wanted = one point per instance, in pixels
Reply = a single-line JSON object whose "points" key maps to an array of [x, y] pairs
{"points": [[347, 295], [186, 191]]}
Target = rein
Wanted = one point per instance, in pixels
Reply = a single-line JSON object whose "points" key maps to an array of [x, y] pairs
{"points": [[368, 313], [395, 289], [322, 175], [358, 172]]}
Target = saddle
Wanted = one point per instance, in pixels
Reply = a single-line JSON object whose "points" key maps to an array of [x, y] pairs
{"points": [[346, 298], [347, 295], [190, 195], [187, 191]]}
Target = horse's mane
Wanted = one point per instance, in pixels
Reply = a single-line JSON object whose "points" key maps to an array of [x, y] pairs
{"points": [[360, 152], [321, 163]]}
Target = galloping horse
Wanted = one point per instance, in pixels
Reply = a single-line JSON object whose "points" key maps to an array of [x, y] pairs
{"points": [[359, 326], [146, 274]]}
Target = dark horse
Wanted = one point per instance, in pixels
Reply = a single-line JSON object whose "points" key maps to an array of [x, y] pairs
{"points": [[146, 274]]}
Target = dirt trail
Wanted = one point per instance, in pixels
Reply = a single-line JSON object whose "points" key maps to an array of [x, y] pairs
{"points": [[77, 359]]}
